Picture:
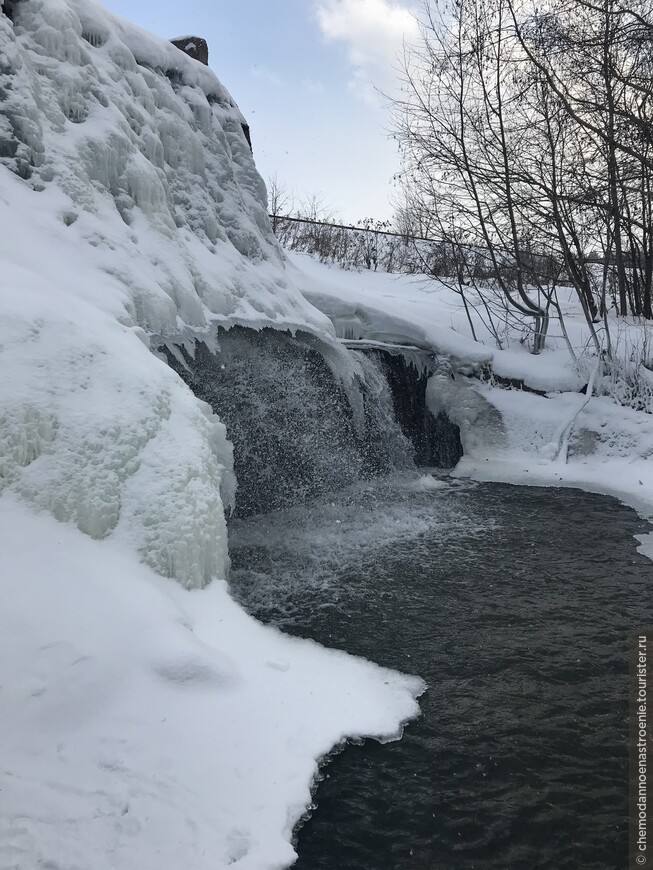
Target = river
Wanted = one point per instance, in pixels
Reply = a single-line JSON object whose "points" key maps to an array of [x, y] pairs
{"points": [[513, 603]]}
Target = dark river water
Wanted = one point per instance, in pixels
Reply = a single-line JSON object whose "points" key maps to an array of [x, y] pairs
{"points": [[513, 603]]}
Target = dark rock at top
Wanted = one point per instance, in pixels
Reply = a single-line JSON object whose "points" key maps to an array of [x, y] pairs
{"points": [[193, 46], [8, 8], [248, 136], [198, 49]]}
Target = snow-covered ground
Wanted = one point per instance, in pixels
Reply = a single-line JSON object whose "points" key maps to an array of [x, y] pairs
{"points": [[409, 309], [147, 727], [508, 435], [610, 447], [147, 722]]}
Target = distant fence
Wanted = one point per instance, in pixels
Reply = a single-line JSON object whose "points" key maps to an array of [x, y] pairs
{"points": [[368, 246], [357, 229], [371, 245]]}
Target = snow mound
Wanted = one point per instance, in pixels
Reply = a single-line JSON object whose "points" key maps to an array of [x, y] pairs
{"points": [[380, 308], [151, 728], [550, 371], [610, 448], [600, 430], [384, 308]]}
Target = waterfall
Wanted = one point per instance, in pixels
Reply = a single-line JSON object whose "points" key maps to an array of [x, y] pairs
{"points": [[382, 443], [436, 441], [301, 425]]}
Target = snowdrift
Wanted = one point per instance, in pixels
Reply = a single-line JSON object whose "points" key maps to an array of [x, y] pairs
{"points": [[146, 725], [415, 309], [150, 728], [385, 308]]}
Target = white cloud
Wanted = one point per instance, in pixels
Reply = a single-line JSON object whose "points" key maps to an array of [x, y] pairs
{"points": [[373, 32]]}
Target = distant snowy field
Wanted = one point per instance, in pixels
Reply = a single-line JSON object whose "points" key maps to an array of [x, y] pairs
{"points": [[148, 723]]}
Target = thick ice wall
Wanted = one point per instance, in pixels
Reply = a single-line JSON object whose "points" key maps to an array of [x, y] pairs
{"points": [[135, 210], [93, 427], [149, 153], [480, 423]]}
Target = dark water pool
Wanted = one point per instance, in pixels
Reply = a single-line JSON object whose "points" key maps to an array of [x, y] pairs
{"points": [[513, 604]]}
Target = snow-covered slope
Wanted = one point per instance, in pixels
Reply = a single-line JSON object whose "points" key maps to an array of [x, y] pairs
{"points": [[417, 310], [145, 726], [384, 307], [150, 728]]}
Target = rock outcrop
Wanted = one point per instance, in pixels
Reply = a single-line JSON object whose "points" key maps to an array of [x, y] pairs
{"points": [[193, 46]]}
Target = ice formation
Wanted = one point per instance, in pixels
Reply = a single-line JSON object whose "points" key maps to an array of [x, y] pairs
{"points": [[155, 176], [480, 422], [137, 217]]}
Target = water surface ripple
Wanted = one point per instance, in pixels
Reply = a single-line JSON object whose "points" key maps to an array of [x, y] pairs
{"points": [[513, 604]]}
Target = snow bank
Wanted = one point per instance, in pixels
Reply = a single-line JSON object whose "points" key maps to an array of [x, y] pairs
{"points": [[150, 728], [610, 447], [428, 314], [552, 370], [534, 427], [384, 308]]}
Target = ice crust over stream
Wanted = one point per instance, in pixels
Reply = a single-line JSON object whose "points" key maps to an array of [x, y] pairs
{"points": [[147, 725]]}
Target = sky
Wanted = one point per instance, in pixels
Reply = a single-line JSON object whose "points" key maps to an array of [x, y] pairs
{"points": [[305, 74]]}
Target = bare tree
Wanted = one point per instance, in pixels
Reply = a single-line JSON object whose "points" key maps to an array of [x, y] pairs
{"points": [[526, 138], [461, 126], [280, 200]]}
